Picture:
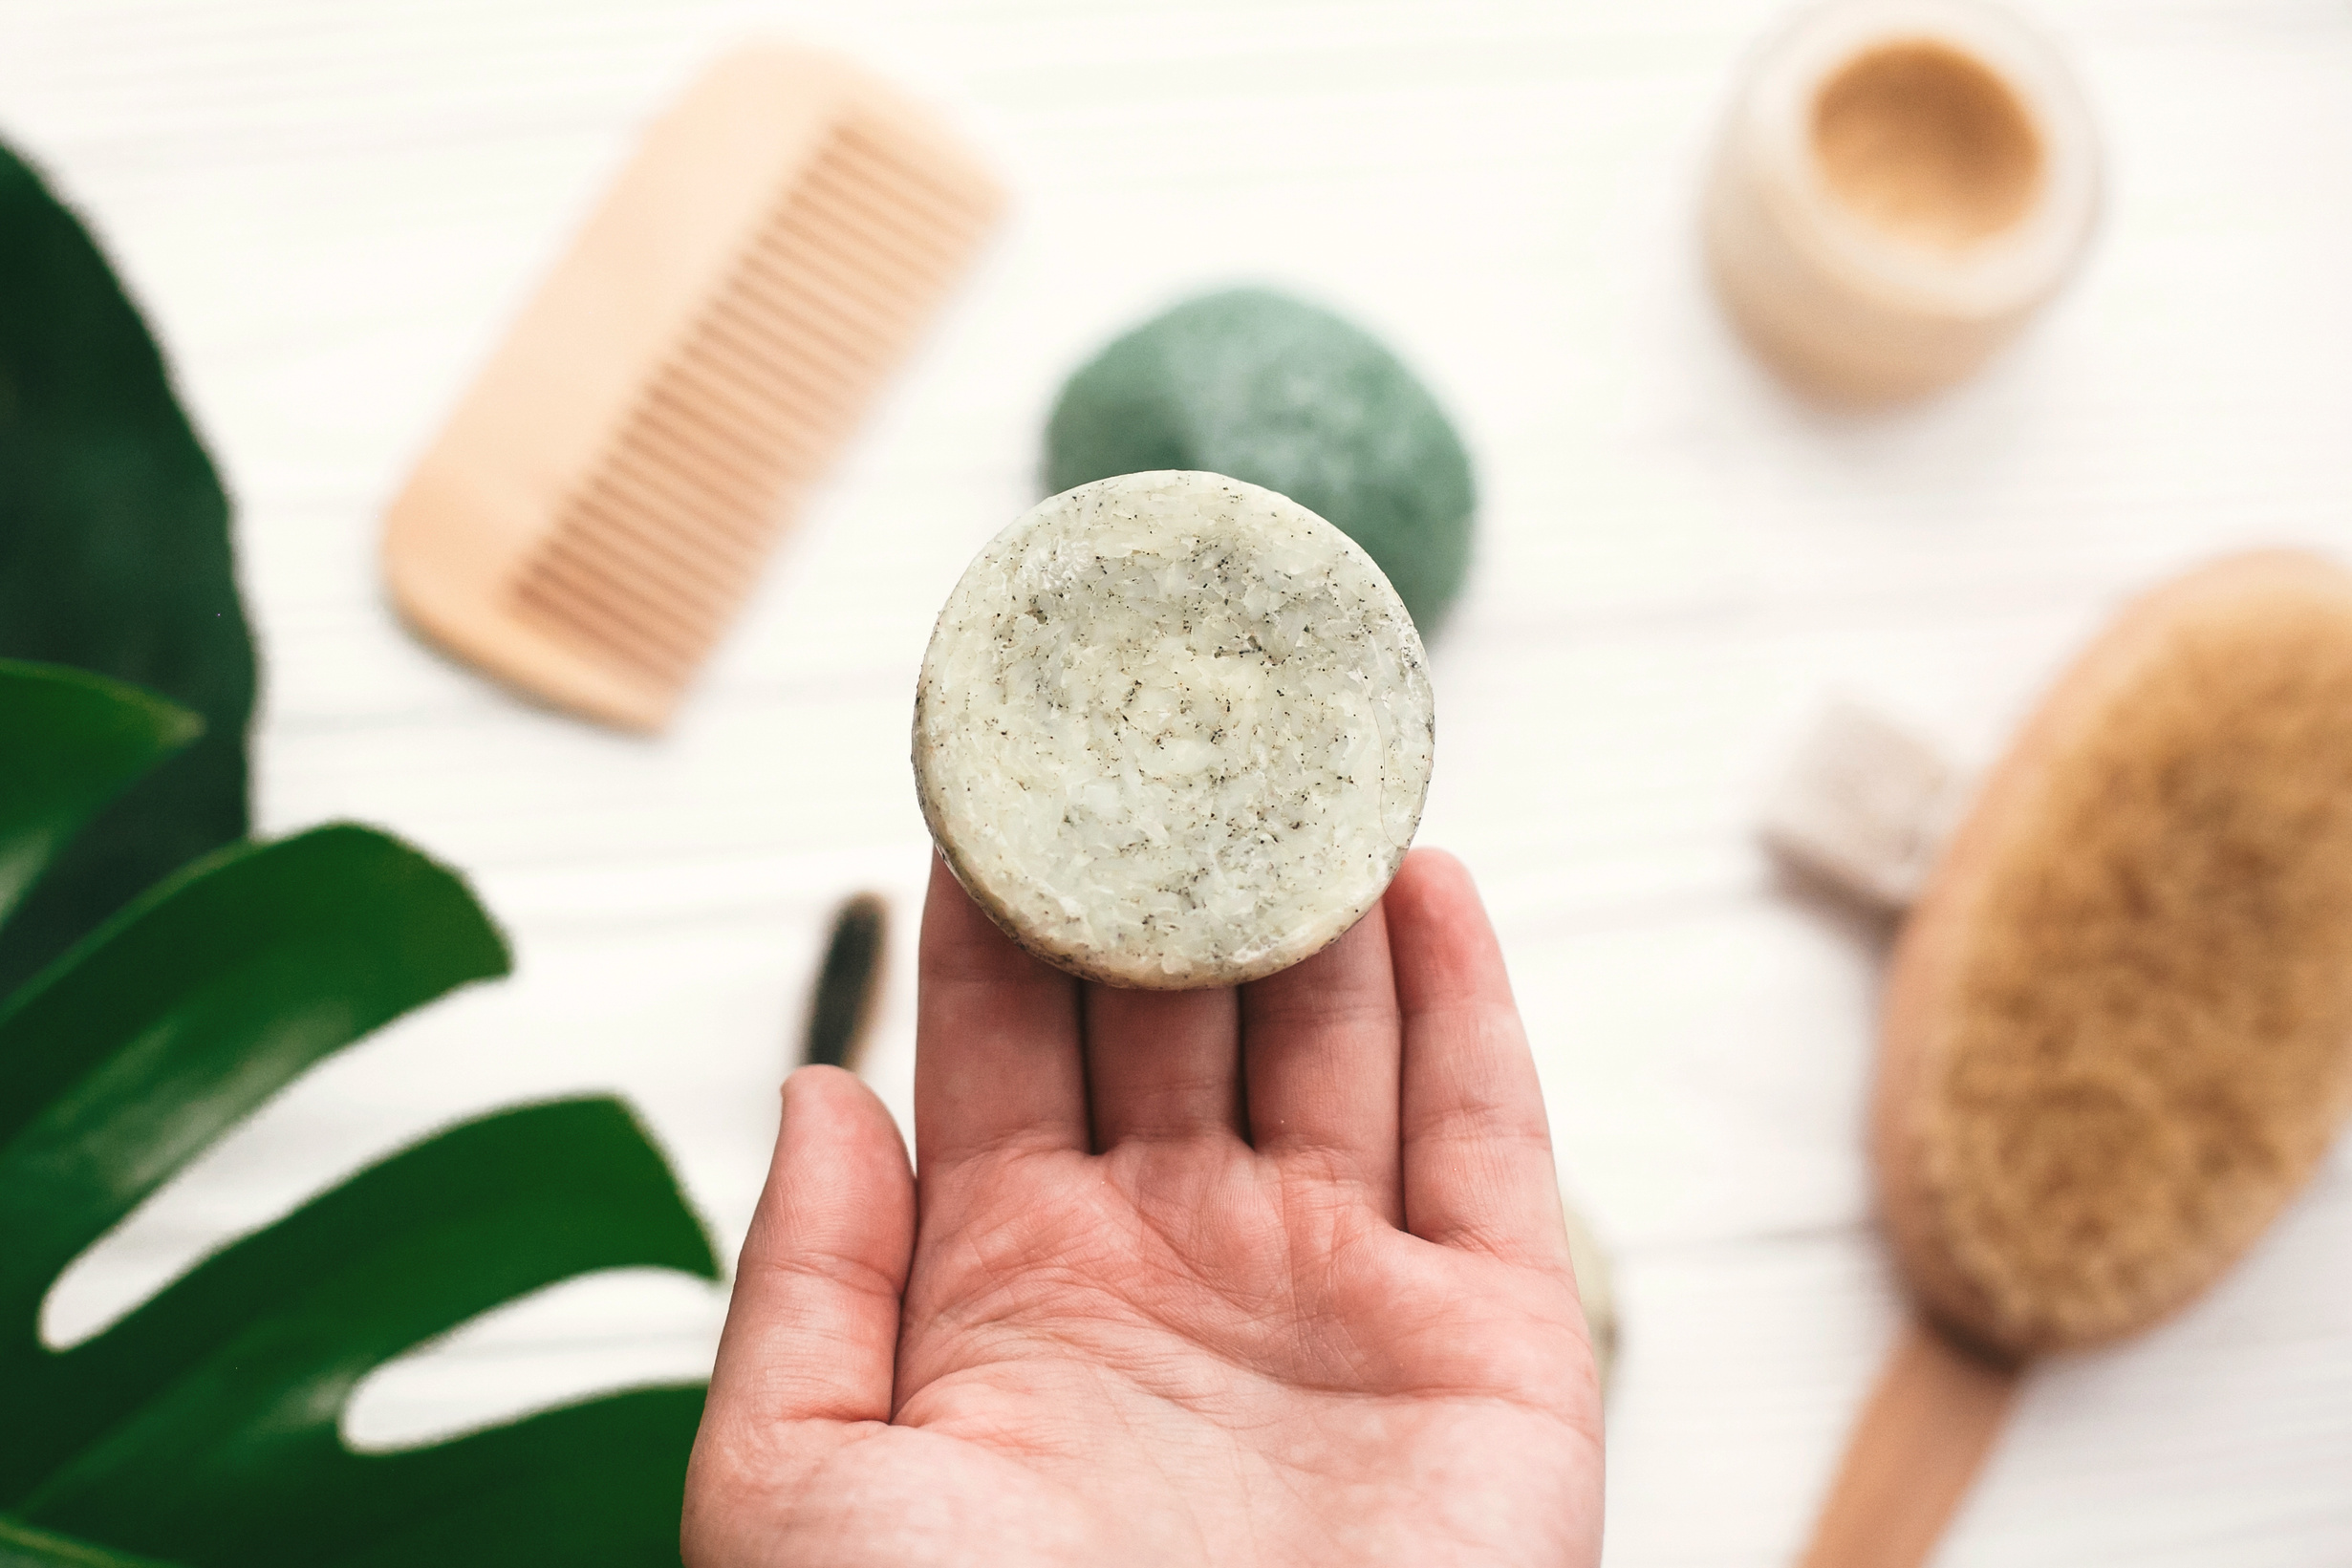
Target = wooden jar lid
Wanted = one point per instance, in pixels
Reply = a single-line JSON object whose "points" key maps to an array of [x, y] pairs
{"points": [[1899, 185]]}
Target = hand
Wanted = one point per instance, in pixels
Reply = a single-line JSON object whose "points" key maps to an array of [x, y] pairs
{"points": [[1266, 1277]]}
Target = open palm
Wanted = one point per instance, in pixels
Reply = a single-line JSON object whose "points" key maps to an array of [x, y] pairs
{"points": [[1270, 1275]]}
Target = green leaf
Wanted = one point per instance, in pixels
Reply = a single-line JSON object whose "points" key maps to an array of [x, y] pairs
{"points": [[600, 1485], [184, 1013], [206, 1422], [202, 1427], [69, 742], [21, 1546], [114, 558]]}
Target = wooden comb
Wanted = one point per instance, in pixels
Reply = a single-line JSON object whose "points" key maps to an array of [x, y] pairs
{"points": [[601, 501]]}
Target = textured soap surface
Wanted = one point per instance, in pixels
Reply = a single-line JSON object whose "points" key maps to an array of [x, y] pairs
{"points": [[1282, 394], [1174, 730]]}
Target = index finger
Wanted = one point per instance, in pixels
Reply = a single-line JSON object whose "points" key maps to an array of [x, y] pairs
{"points": [[997, 1063]]}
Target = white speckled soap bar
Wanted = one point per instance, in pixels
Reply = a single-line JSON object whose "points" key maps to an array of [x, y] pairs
{"points": [[1173, 731]]}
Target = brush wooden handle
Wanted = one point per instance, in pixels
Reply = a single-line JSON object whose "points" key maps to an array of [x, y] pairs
{"points": [[1929, 1423]]}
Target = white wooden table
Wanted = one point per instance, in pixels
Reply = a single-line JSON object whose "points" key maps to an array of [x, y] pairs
{"points": [[330, 209]]}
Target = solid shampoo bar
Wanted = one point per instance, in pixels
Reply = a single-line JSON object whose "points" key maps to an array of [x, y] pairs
{"points": [[1173, 731], [1286, 394]]}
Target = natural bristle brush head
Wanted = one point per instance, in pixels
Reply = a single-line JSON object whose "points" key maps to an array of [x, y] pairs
{"points": [[2119, 1026], [602, 500]]}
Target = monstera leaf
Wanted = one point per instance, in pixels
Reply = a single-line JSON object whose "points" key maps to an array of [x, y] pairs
{"points": [[114, 558], [21, 1546], [202, 1429]]}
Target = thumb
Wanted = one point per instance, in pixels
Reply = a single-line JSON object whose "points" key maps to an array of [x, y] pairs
{"points": [[812, 1329]]}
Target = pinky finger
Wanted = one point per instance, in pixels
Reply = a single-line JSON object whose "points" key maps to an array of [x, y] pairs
{"points": [[1477, 1152]]}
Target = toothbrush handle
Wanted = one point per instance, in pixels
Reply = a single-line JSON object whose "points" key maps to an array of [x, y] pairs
{"points": [[1925, 1430]]}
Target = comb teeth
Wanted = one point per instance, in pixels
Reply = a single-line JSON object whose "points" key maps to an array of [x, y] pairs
{"points": [[599, 504], [653, 553]]}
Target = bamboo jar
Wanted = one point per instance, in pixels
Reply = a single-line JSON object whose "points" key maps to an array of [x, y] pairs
{"points": [[1900, 184]]}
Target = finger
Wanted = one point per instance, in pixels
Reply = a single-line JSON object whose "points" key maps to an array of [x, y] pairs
{"points": [[1477, 1153], [812, 1327], [1321, 1044], [996, 1039], [1162, 1064]]}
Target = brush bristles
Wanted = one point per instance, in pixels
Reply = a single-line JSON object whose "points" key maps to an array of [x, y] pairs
{"points": [[2144, 1043], [655, 550]]}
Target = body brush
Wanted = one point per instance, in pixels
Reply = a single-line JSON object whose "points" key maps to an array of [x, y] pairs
{"points": [[2115, 1039]]}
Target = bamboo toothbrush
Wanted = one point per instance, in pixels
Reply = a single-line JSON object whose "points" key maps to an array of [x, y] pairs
{"points": [[601, 501], [841, 1004]]}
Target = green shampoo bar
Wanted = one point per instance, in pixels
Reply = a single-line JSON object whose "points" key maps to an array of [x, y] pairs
{"points": [[1280, 394]]}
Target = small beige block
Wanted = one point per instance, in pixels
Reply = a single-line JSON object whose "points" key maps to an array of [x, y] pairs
{"points": [[1866, 807]]}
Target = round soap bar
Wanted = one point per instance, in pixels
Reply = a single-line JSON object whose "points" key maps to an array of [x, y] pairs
{"points": [[1280, 394], [1173, 731]]}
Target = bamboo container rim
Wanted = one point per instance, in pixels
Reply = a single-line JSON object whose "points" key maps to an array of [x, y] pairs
{"points": [[1772, 138]]}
